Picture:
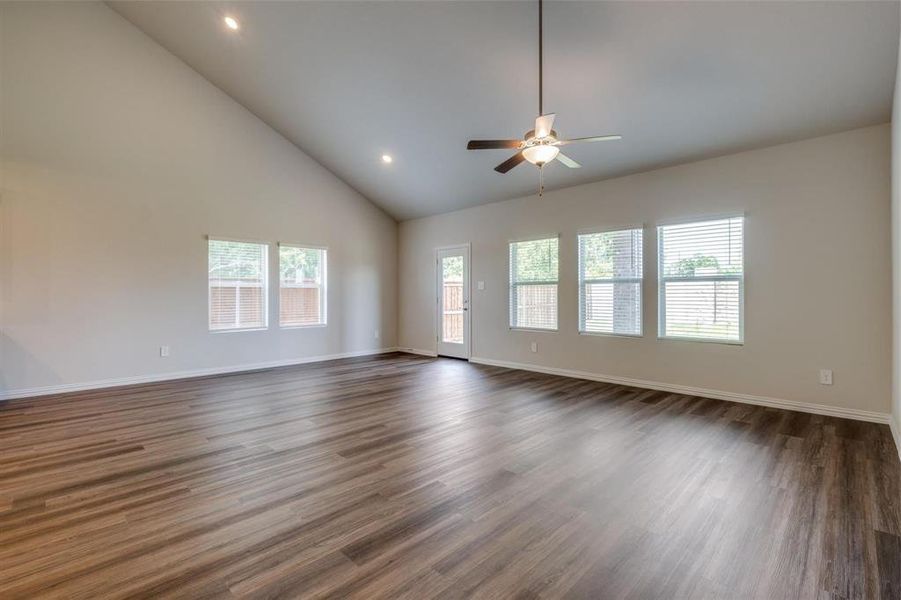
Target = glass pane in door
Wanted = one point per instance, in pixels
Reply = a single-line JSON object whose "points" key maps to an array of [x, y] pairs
{"points": [[452, 303]]}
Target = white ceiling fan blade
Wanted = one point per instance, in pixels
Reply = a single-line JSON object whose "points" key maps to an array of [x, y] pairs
{"points": [[567, 161], [597, 138], [544, 124]]}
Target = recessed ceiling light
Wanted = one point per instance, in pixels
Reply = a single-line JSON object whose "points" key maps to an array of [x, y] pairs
{"points": [[231, 22], [386, 158]]}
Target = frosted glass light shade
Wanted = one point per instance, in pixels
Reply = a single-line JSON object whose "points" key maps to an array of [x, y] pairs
{"points": [[541, 154]]}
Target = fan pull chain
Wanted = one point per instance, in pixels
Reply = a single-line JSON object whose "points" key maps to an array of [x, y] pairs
{"points": [[540, 181]]}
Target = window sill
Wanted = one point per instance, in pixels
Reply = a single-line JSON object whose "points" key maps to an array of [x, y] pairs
{"points": [[702, 340], [634, 336], [241, 330], [535, 329], [316, 326]]}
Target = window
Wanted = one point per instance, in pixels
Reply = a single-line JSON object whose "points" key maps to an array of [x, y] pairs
{"points": [[237, 285], [702, 280], [533, 284], [453, 302], [301, 294], [610, 282]]}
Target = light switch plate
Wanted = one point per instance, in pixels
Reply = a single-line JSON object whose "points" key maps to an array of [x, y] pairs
{"points": [[826, 376], [481, 285]]}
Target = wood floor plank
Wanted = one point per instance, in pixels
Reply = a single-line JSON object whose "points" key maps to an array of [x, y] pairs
{"points": [[399, 476]]}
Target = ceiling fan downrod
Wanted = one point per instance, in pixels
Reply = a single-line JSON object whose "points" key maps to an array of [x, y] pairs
{"points": [[540, 57], [540, 85]]}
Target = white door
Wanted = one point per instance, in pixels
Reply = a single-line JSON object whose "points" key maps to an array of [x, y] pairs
{"points": [[452, 298]]}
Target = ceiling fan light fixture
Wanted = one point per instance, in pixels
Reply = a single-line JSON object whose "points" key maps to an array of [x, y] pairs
{"points": [[541, 154]]}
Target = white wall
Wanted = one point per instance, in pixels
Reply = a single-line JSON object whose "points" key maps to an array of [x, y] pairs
{"points": [[818, 272], [117, 160]]}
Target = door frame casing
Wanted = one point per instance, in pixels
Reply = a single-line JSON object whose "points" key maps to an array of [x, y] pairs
{"points": [[467, 283]]}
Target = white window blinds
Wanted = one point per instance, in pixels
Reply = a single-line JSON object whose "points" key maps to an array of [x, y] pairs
{"points": [[301, 286], [534, 272], [238, 275], [702, 280], [610, 272]]}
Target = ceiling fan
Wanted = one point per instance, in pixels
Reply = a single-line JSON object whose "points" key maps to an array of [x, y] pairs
{"points": [[540, 145]]}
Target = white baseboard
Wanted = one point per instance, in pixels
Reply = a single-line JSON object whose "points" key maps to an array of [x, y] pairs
{"points": [[120, 381], [430, 353], [895, 424], [817, 409]]}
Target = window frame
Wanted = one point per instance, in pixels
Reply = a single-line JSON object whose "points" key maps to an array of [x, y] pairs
{"points": [[661, 281], [264, 287], [323, 302], [511, 284], [582, 282]]}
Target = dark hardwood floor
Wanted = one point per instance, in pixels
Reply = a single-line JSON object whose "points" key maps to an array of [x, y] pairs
{"points": [[404, 477]]}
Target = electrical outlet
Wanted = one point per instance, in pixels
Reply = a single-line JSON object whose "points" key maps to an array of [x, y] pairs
{"points": [[376, 334], [826, 376], [164, 351], [481, 285], [534, 346]]}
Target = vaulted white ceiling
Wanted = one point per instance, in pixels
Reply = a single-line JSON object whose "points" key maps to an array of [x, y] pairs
{"points": [[348, 81]]}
